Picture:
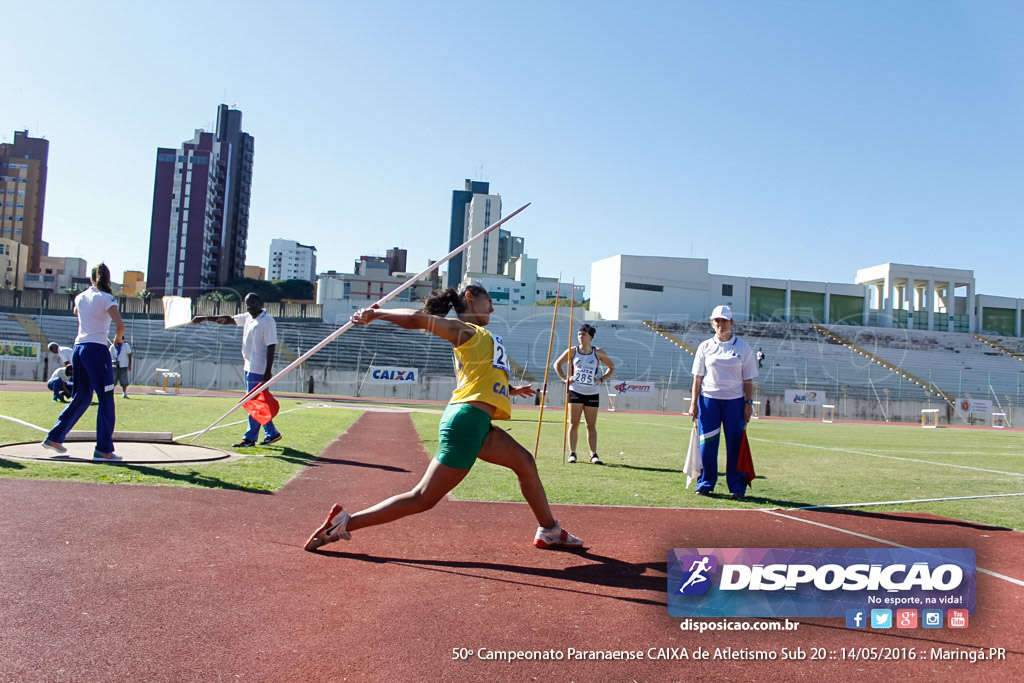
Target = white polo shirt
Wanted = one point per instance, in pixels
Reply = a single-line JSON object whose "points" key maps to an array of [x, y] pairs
{"points": [[93, 316], [123, 358], [724, 367], [257, 334], [65, 353]]}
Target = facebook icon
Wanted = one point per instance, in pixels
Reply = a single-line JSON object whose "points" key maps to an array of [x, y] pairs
{"points": [[856, 618]]}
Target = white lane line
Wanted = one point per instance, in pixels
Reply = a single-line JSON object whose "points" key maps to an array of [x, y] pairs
{"points": [[997, 575], [26, 424], [889, 457]]}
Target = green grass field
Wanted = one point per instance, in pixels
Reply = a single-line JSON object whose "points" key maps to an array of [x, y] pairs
{"points": [[798, 463], [802, 464]]}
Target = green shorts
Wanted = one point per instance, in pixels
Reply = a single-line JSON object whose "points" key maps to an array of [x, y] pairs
{"points": [[461, 434]]}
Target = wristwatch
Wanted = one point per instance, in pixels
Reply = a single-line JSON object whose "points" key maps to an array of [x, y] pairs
{"points": [[750, 401]]}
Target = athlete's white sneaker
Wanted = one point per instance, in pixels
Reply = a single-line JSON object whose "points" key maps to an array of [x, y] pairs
{"points": [[333, 529], [556, 537]]}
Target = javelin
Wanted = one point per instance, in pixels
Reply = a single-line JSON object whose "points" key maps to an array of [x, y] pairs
{"points": [[547, 367], [344, 328], [568, 369]]}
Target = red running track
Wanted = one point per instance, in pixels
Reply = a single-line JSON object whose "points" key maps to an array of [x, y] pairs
{"points": [[117, 583]]}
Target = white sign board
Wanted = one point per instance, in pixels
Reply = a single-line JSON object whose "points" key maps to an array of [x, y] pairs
{"points": [[393, 375], [805, 397], [978, 406]]}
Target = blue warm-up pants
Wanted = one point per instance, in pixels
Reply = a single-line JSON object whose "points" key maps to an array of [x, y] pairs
{"points": [[90, 372], [718, 417], [252, 380]]}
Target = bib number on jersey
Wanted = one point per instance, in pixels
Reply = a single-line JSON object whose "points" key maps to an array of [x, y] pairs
{"points": [[584, 376], [500, 360]]}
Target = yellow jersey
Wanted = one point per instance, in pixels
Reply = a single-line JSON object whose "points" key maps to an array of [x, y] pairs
{"points": [[481, 372]]}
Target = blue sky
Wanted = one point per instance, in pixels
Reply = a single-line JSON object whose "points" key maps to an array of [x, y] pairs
{"points": [[799, 139]]}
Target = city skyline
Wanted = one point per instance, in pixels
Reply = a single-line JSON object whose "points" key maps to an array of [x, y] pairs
{"points": [[810, 140]]}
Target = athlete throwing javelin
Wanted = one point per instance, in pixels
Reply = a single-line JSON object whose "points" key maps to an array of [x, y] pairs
{"points": [[465, 433]]}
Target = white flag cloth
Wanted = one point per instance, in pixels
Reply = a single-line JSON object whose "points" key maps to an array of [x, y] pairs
{"points": [[693, 465], [177, 311]]}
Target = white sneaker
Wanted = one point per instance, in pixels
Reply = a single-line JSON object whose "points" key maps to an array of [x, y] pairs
{"points": [[556, 537], [333, 529]]}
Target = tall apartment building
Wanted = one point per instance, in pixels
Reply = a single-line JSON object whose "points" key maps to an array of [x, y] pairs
{"points": [[23, 192], [200, 221], [290, 260], [473, 209]]}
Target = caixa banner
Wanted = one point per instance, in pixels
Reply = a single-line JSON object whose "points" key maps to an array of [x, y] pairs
{"points": [[816, 582], [389, 375]]}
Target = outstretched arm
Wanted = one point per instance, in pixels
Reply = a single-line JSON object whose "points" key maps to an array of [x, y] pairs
{"points": [[449, 329], [219, 319]]}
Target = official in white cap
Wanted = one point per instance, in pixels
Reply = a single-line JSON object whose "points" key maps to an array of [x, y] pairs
{"points": [[722, 400]]}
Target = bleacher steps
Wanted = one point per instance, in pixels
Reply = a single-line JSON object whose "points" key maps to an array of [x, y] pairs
{"points": [[32, 329], [996, 345], [671, 337], [910, 377]]}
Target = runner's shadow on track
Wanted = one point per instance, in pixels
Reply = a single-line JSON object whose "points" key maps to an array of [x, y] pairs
{"points": [[603, 572]]}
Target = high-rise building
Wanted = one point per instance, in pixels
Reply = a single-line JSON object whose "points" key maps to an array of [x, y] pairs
{"points": [[290, 260], [397, 259], [473, 209], [200, 220], [23, 192]]}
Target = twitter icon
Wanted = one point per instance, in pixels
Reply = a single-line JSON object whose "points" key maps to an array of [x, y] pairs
{"points": [[881, 618]]}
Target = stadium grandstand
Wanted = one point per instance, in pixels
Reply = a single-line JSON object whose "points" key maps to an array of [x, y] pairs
{"points": [[870, 373]]}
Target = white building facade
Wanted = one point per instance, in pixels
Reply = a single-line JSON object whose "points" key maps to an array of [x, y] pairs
{"points": [[625, 287], [290, 260]]}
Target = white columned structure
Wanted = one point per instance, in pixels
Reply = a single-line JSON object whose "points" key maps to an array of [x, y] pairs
{"points": [[909, 295], [950, 305], [866, 309], [887, 292], [1016, 320], [789, 292], [929, 303], [828, 300], [971, 303]]}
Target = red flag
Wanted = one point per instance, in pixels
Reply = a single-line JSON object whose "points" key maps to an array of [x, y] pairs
{"points": [[263, 407], [745, 463]]}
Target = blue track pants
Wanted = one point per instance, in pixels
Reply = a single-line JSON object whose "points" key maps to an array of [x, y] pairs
{"points": [[718, 417], [90, 372]]}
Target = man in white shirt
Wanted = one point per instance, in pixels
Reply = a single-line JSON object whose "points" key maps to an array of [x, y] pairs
{"points": [[121, 360], [259, 341], [63, 352]]}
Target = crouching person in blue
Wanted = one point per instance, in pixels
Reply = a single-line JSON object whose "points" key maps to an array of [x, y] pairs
{"points": [[60, 384], [723, 388]]}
